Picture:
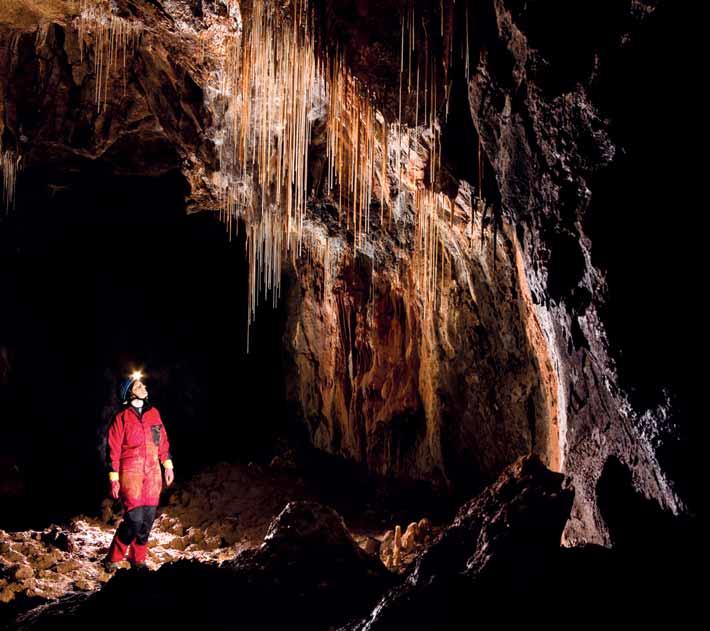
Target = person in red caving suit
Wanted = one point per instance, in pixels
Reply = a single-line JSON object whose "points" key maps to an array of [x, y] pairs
{"points": [[137, 447]]}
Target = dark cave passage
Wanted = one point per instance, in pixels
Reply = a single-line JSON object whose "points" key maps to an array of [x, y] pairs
{"points": [[641, 204], [105, 276]]}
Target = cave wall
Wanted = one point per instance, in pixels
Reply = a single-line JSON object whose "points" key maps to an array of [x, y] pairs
{"points": [[152, 121], [448, 397], [535, 102], [538, 96]]}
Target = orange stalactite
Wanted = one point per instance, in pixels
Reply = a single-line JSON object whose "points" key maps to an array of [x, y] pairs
{"points": [[272, 80], [401, 97], [355, 132]]}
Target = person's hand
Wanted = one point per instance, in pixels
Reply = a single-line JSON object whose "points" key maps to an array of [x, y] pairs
{"points": [[115, 489], [169, 476]]}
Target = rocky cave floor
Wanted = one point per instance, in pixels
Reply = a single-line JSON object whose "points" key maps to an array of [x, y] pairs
{"points": [[219, 512], [254, 546]]}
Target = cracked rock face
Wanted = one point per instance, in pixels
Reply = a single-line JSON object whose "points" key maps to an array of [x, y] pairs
{"points": [[516, 358]]}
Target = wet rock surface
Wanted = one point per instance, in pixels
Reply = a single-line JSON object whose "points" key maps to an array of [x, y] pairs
{"points": [[451, 398]]}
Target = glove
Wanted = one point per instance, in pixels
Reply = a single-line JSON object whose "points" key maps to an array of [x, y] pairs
{"points": [[115, 489]]}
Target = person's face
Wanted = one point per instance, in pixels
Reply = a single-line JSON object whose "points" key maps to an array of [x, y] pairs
{"points": [[139, 390]]}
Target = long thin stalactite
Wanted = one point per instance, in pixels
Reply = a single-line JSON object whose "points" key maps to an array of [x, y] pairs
{"points": [[275, 84], [114, 41]]}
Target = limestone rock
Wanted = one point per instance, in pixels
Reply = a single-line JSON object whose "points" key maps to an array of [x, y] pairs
{"points": [[59, 538], [23, 572]]}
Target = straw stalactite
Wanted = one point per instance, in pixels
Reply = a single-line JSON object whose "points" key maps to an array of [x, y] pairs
{"points": [[115, 40], [356, 150], [275, 82]]}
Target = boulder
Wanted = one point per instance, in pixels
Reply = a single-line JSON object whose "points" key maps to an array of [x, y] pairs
{"points": [[58, 538], [500, 544], [23, 572]]}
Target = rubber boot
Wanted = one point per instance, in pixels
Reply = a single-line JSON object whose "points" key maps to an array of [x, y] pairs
{"points": [[116, 554], [137, 554]]}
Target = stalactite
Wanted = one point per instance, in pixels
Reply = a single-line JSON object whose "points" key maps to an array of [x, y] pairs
{"points": [[10, 163], [115, 40], [356, 144], [399, 122], [264, 250], [273, 82], [430, 258]]}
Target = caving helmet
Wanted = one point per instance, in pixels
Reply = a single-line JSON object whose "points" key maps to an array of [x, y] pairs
{"points": [[127, 384]]}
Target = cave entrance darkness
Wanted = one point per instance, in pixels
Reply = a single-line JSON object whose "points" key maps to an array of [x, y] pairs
{"points": [[108, 273]]}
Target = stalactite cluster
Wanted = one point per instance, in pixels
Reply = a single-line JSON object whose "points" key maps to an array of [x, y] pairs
{"points": [[430, 255], [418, 68], [271, 80], [357, 150], [115, 40], [10, 162], [276, 82], [418, 75], [276, 85], [265, 248]]}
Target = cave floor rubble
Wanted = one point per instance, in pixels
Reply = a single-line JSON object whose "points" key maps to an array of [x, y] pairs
{"points": [[210, 518]]}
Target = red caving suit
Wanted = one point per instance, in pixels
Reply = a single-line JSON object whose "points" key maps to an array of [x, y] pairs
{"points": [[136, 449], [137, 445]]}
